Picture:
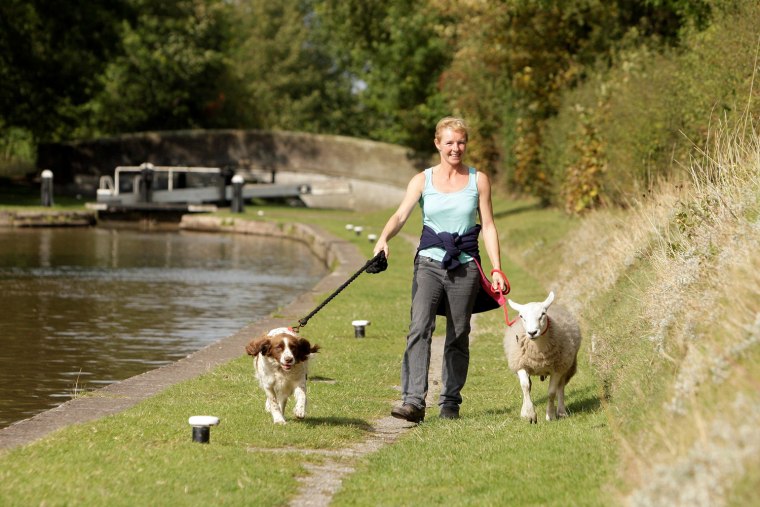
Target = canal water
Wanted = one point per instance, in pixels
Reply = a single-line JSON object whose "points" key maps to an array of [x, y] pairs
{"points": [[83, 308]]}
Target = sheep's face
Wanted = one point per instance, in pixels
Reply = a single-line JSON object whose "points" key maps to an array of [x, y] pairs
{"points": [[533, 316]]}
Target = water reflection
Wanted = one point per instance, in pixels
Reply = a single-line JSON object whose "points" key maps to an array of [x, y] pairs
{"points": [[82, 308]]}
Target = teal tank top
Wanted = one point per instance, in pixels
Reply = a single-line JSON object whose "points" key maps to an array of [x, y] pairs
{"points": [[449, 212]]}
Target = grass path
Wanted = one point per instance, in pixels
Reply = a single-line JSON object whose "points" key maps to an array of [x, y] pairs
{"points": [[324, 480]]}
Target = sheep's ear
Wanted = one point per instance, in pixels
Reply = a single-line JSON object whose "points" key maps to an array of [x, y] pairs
{"points": [[514, 305], [549, 300]]}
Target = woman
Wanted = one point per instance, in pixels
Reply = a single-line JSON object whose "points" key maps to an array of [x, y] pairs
{"points": [[446, 278]]}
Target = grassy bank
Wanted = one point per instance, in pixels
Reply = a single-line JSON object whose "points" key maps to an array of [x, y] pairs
{"points": [[664, 406]]}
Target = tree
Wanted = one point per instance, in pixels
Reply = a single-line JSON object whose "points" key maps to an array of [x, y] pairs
{"points": [[51, 56], [394, 57], [173, 70], [515, 60], [288, 80]]}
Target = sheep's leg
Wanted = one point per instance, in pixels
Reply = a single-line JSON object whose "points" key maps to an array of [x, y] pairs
{"points": [[561, 410], [528, 411], [300, 394], [555, 381]]}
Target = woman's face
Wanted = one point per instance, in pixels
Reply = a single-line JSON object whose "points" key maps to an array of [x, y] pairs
{"points": [[452, 145]]}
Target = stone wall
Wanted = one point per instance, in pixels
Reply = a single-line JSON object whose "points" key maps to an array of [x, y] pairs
{"points": [[83, 162]]}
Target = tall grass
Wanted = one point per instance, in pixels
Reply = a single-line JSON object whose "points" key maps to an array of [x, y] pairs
{"points": [[670, 292]]}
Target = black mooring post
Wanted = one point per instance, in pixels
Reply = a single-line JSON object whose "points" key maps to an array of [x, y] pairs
{"points": [[225, 178], [146, 182], [237, 194], [201, 434], [46, 190]]}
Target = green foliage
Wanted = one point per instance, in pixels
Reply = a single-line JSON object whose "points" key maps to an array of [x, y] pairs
{"points": [[51, 58], [533, 54], [287, 79], [171, 73], [581, 189], [652, 106], [16, 151], [394, 58]]}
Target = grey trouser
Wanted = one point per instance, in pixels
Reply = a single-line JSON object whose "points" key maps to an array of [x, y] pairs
{"points": [[458, 289]]}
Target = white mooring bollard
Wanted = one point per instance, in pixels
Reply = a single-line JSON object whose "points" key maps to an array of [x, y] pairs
{"points": [[47, 188], [359, 327], [237, 194], [202, 427]]}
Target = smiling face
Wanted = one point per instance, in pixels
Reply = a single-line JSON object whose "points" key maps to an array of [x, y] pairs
{"points": [[451, 143]]}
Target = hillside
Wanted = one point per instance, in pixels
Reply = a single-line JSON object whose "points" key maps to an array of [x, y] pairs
{"points": [[669, 294]]}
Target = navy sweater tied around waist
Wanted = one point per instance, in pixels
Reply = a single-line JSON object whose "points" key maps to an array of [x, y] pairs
{"points": [[454, 244]]}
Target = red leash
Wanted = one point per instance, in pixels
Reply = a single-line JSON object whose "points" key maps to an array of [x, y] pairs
{"points": [[497, 291], [506, 281]]}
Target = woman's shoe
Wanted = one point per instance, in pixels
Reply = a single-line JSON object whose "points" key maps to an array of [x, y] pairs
{"points": [[449, 412], [409, 413]]}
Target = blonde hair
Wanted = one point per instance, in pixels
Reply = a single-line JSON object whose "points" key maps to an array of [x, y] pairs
{"points": [[453, 123]]}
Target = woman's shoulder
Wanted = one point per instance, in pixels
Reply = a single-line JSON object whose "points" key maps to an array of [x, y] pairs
{"points": [[417, 183]]}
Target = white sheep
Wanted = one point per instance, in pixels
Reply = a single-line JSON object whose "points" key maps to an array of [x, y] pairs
{"points": [[543, 342]]}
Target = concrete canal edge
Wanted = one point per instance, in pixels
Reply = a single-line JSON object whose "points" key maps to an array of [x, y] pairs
{"points": [[342, 257], [47, 218]]}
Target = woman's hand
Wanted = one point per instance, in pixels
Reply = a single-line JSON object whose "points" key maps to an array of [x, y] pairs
{"points": [[381, 246], [498, 283]]}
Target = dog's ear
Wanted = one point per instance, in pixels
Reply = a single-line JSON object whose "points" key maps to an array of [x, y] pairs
{"points": [[305, 348], [260, 345]]}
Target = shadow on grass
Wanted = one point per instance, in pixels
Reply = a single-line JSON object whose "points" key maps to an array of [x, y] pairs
{"points": [[497, 411], [337, 421], [519, 209], [584, 400], [589, 403]]}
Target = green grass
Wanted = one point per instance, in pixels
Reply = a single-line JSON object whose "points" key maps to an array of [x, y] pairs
{"points": [[489, 457], [15, 197]]}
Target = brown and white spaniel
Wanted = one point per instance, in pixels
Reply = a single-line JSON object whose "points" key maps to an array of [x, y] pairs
{"points": [[280, 363]]}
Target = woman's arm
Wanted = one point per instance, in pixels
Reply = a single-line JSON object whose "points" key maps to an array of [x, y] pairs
{"points": [[490, 234], [398, 219]]}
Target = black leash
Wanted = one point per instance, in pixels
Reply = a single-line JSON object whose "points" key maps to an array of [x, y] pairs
{"points": [[376, 264]]}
